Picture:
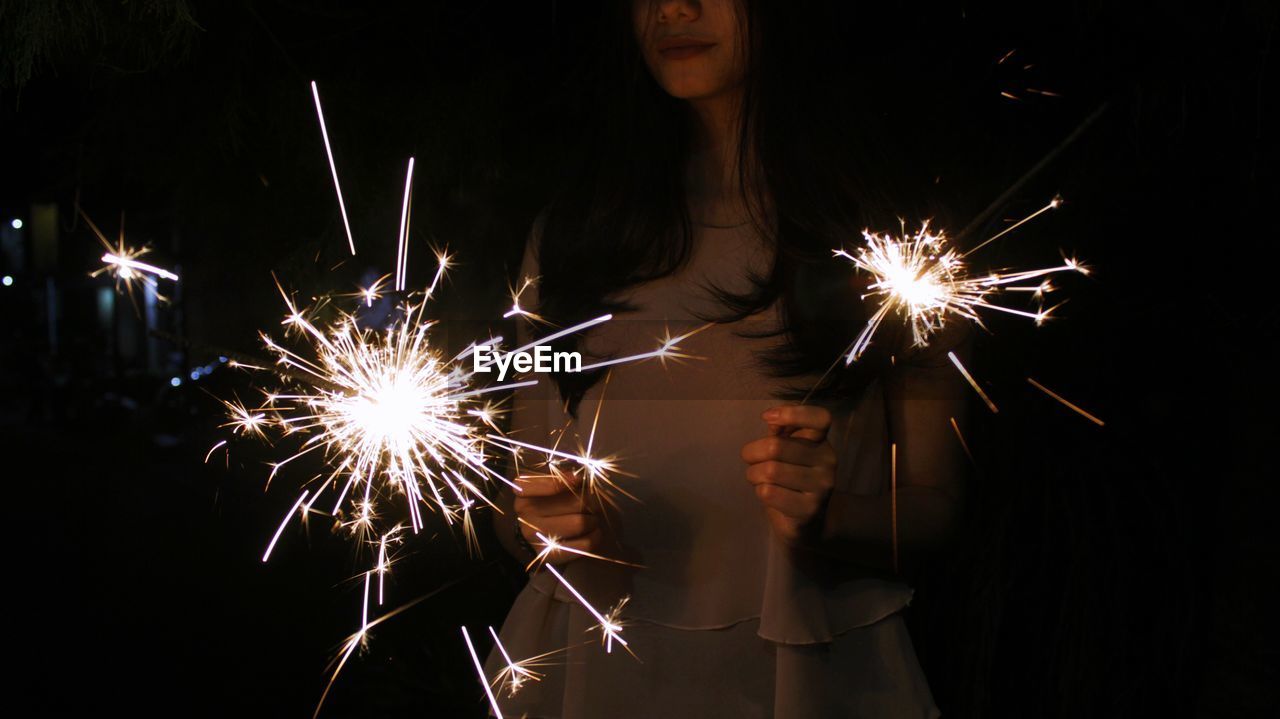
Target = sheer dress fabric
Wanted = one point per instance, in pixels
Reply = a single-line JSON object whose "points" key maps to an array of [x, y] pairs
{"points": [[722, 618]]}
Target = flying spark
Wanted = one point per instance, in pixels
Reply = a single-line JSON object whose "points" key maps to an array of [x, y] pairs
{"points": [[488, 690], [1069, 405], [610, 625], [516, 674]]}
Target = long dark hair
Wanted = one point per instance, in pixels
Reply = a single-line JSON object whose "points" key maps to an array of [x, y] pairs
{"points": [[620, 217]]}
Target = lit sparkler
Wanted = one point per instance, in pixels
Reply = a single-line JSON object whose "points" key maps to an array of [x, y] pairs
{"points": [[121, 261], [400, 424], [926, 280]]}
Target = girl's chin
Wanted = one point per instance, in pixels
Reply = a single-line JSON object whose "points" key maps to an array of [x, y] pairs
{"points": [[685, 88]]}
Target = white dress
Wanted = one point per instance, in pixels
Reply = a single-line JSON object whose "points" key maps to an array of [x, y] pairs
{"points": [[722, 618]]}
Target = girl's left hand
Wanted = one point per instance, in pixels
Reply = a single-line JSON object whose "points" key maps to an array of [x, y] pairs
{"points": [[793, 469]]}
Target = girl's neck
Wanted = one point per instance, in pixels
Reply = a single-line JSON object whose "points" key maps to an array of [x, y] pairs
{"points": [[713, 181]]}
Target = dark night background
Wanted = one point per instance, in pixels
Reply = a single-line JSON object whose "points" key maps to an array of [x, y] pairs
{"points": [[1115, 571]]}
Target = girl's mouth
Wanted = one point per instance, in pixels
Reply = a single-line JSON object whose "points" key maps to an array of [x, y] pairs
{"points": [[684, 50]]}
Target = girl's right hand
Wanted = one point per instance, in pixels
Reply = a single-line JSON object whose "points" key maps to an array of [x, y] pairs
{"points": [[559, 509]]}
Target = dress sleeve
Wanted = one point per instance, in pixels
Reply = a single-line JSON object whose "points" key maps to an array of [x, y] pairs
{"points": [[810, 598]]}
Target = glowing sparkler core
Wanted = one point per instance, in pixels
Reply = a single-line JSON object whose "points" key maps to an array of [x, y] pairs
{"points": [[392, 414], [927, 281], [396, 419], [127, 268]]}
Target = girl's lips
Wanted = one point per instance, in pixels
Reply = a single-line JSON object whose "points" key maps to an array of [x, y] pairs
{"points": [[683, 52]]}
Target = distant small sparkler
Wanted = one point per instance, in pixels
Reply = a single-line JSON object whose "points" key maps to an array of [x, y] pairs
{"points": [[121, 261]]}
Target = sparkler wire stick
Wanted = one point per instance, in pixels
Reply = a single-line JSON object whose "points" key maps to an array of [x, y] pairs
{"points": [[324, 134]]}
